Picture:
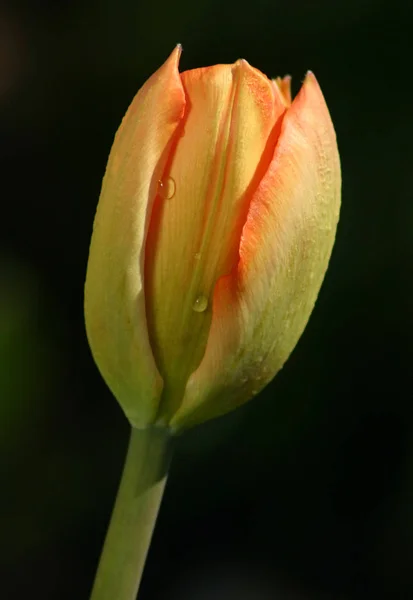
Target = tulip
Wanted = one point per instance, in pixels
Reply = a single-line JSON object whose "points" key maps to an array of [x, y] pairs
{"points": [[212, 236]]}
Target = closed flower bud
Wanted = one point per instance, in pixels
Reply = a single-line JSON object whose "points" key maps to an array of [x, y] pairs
{"points": [[212, 236]]}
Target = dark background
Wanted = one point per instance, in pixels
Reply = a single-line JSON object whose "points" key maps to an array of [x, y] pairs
{"points": [[306, 492]]}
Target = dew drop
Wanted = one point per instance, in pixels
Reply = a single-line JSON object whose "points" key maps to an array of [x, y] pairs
{"points": [[200, 304], [167, 188], [197, 256]]}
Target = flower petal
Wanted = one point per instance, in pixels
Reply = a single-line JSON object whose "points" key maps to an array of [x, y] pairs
{"points": [[225, 147], [114, 298], [261, 309], [283, 87]]}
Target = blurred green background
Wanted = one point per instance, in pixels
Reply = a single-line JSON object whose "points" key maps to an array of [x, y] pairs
{"points": [[306, 492]]}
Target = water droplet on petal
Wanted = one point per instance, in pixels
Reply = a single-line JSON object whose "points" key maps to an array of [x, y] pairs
{"points": [[200, 304], [166, 188]]}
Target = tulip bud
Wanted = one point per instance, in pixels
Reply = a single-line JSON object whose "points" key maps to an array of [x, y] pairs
{"points": [[212, 236]]}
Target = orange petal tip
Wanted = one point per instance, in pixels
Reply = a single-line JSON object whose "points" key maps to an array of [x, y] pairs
{"points": [[282, 86]]}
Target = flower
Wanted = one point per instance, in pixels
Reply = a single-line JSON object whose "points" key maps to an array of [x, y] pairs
{"points": [[211, 239]]}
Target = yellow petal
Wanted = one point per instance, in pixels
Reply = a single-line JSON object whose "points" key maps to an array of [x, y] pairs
{"points": [[219, 159], [261, 309], [283, 86], [114, 298]]}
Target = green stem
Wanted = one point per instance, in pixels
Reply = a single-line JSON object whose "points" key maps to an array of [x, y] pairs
{"points": [[134, 515]]}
